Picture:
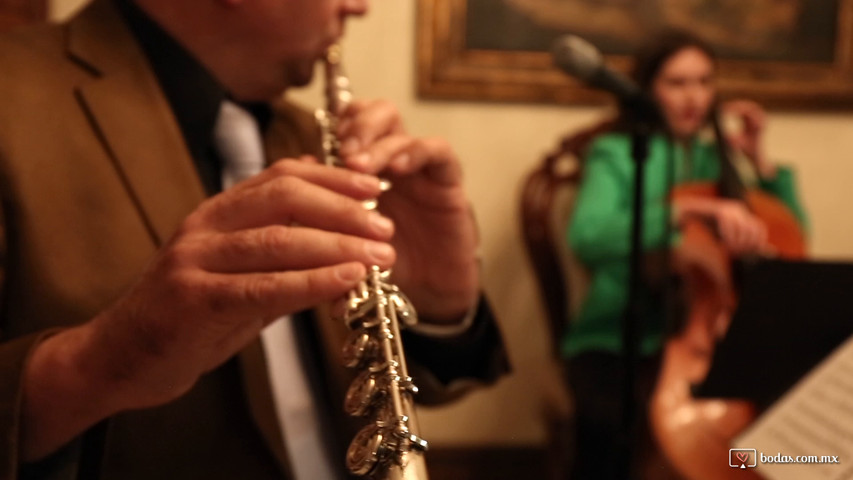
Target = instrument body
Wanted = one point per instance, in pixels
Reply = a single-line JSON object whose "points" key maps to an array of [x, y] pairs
{"points": [[376, 311], [695, 434]]}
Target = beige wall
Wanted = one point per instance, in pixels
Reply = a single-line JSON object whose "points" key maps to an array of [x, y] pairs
{"points": [[499, 144], [60, 9]]}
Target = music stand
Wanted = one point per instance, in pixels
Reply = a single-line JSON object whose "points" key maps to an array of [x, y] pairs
{"points": [[791, 315]]}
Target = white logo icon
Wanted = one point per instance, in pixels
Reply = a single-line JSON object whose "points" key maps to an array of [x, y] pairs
{"points": [[742, 458]]}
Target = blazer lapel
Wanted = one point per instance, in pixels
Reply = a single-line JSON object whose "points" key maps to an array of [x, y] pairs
{"points": [[131, 116]]}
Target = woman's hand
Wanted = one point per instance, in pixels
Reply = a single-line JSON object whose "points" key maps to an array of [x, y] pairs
{"points": [[740, 230], [749, 139]]}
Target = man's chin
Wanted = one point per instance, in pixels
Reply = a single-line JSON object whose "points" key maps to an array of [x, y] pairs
{"points": [[293, 77], [302, 75], [302, 81]]}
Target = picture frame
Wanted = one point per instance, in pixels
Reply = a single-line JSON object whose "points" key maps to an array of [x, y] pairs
{"points": [[495, 50]]}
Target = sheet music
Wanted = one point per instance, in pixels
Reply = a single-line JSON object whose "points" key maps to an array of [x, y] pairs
{"points": [[808, 433]]}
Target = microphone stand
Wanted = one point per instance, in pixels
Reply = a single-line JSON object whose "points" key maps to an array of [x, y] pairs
{"points": [[632, 322]]}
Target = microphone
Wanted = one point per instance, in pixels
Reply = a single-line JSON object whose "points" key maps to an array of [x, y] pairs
{"points": [[580, 59]]}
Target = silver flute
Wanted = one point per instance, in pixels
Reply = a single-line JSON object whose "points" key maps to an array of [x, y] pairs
{"points": [[389, 448]]}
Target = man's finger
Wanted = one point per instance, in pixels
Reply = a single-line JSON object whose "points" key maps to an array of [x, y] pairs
{"points": [[270, 295], [377, 156], [280, 248], [363, 123], [352, 184], [434, 157], [289, 200]]}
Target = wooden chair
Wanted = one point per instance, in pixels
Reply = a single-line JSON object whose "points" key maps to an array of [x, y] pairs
{"points": [[544, 218], [546, 203]]}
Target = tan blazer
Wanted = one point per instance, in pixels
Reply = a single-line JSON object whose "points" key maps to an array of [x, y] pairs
{"points": [[94, 178]]}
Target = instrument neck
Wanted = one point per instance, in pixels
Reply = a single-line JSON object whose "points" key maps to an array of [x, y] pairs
{"points": [[730, 184]]}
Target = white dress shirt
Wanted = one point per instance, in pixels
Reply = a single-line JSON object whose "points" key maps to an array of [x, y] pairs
{"points": [[238, 140]]}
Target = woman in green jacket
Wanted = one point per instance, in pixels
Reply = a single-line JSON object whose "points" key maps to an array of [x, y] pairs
{"points": [[677, 71]]}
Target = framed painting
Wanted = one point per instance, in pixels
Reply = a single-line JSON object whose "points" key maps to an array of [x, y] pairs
{"points": [[783, 53], [19, 12]]}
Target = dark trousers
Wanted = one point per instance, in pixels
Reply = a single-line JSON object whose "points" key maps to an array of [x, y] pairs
{"points": [[596, 383]]}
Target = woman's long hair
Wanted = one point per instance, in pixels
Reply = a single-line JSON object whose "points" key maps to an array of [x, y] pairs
{"points": [[648, 61]]}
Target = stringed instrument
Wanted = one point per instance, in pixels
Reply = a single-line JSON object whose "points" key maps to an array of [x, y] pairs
{"points": [[695, 434]]}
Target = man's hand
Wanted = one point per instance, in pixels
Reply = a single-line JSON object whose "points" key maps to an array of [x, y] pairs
{"points": [[436, 238], [294, 236]]}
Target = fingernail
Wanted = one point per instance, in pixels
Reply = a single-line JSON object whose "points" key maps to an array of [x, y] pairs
{"points": [[381, 224], [350, 146], [380, 252], [350, 272]]}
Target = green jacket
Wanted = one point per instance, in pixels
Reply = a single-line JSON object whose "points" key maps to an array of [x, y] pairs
{"points": [[599, 232]]}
